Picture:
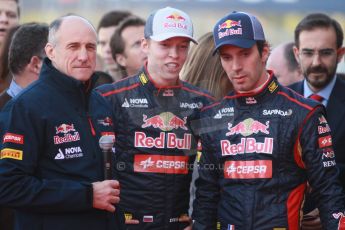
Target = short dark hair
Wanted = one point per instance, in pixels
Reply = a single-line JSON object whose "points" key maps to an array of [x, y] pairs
{"points": [[117, 44], [290, 57], [112, 18], [260, 45], [102, 78], [28, 41], [319, 20]]}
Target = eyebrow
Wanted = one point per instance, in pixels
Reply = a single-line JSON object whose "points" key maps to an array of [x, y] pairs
{"points": [[326, 49]]}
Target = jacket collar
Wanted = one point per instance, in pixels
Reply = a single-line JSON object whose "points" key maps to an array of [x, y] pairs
{"points": [[65, 83], [147, 81], [268, 90]]}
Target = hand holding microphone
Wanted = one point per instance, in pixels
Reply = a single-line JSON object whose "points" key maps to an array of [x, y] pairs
{"points": [[106, 193]]}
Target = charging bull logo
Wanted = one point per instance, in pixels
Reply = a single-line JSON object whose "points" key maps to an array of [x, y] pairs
{"points": [[64, 128], [165, 121], [248, 127], [228, 24], [66, 133], [176, 17]]}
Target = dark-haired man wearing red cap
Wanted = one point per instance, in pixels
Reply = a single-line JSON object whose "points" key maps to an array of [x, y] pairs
{"points": [[261, 144]]}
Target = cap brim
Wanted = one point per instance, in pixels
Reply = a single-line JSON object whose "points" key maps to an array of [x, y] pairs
{"points": [[166, 36], [243, 43]]}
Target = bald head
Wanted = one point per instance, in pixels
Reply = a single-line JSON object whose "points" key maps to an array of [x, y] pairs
{"points": [[72, 46], [284, 65], [66, 20]]}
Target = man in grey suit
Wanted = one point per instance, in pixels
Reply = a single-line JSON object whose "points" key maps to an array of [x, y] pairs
{"points": [[318, 49]]}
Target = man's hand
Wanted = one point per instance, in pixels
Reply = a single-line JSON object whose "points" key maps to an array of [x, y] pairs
{"points": [[106, 194], [132, 221], [186, 218]]}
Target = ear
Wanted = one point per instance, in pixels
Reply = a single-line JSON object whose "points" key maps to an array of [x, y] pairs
{"points": [[296, 53], [121, 60], [265, 53], [35, 64], [340, 53], [49, 48], [145, 45]]}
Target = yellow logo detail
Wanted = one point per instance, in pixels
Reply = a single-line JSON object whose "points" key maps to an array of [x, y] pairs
{"points": [[143, 78], [273, 86], [11, 153], [128, 216], [198, 156]]}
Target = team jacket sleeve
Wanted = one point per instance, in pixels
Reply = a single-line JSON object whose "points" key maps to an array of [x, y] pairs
{"points": [[319, 160], [21, 185], [207, 189]]}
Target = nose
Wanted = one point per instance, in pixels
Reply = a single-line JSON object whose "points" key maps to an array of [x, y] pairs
{"points": [[236, 65], [3, 17], [83, 55], [173, 52], [107, 48], [316, 59]]}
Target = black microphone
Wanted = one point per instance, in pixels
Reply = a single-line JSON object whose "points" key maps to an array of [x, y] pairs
{"points": [[106, 143]]}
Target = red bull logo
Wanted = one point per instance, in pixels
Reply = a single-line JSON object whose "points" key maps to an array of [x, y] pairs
{"points": [[65, 128], [172, 141], [176, 17], [247, 145], [67, 136], [228, 24], [165, 121], [248, 127], [155, 122]]}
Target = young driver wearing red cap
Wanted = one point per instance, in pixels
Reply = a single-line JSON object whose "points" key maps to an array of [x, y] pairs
{"points": [[155, 136]]}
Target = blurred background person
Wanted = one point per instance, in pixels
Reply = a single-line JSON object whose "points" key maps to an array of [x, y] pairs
{"points": [[105, 30], [125, 45], [203, 69], [5, 74], [318, 49], [102, 78], [284, 64], [9, 17], [25, 58]]}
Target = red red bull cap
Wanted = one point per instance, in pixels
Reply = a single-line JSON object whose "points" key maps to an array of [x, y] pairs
{"points": [[239, 29], [168, 22]]}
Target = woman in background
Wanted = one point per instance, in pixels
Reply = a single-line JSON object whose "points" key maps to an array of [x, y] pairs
{"points": [[203, 69]]}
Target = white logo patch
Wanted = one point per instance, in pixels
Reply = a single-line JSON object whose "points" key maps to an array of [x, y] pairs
{"points": [[135, 103], [72, 152], [186, 105], [224, 112], [279, 112]]}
